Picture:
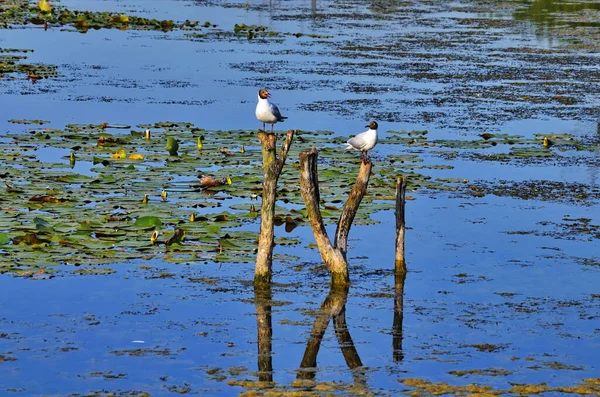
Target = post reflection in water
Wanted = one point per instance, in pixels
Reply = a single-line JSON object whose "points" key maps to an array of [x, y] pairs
{"points": [[263, 303], [333, 306], [397, 331]]}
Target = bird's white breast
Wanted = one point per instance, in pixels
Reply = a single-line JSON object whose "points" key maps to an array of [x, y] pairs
{"points": [[264, 113]]}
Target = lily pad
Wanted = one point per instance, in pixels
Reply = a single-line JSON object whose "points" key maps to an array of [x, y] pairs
{"points": [[148, 222]]}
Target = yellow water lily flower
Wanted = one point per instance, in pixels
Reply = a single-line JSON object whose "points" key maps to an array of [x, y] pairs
{"points": [[44, 6], [163, 195], [199, 142], [136, 156], [120, 19], [119, 154], [154, 237], [145, 199]]}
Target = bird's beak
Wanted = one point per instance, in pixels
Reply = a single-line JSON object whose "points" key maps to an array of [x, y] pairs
{"points": [[268, 95], [368, 126]]}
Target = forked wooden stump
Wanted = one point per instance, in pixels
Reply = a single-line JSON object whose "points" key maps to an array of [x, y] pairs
{"points": [[333, 255]]}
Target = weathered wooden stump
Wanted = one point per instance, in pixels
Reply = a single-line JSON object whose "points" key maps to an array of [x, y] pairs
{"points": [[272, 167], [334, 256]]}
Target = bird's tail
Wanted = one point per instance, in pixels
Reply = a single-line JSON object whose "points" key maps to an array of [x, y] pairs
{"points": [[348, 146]]}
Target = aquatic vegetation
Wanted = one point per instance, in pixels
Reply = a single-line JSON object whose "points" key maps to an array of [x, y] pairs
{"points": [[53, 14], [11, 61], [421, 386], [101, 199]]}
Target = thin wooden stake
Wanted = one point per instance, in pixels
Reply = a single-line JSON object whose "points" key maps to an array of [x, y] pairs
{"points": [[400, 266]]}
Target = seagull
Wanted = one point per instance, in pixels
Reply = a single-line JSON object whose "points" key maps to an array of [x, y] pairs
{"points": [[267, 112], [364, 141]]}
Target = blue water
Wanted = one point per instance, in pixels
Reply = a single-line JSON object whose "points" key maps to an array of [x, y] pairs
{"points": [[471, 280]]}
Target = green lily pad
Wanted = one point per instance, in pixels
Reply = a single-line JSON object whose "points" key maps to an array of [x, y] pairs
{"points": [[148, 222], [4, 239]]}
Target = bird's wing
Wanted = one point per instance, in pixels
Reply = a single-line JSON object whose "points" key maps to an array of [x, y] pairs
{"points": [[357, 142], [277, 113]]}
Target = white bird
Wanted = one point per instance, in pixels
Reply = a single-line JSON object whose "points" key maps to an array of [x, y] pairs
{"points": [[267, 112], [364, 141]]}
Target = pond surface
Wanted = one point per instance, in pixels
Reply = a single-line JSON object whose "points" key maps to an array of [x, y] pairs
{"points": [[503, 289]]}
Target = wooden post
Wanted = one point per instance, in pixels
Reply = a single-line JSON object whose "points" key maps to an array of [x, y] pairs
{"points": [[351, 207], [400, 266], [334, 256], [272, 167]]}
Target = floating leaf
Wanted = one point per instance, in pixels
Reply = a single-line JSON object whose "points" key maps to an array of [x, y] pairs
{"points": [[46, 198], [119, 19], [30, 239], [95, 271], [42, 225], [172, 146], [4, 239], [147, 222]]}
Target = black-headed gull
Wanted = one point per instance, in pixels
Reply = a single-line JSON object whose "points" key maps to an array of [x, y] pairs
{"points": [[267, 112], [364, 141]]}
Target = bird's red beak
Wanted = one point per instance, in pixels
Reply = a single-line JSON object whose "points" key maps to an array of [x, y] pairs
{"points": [[268, 94]]}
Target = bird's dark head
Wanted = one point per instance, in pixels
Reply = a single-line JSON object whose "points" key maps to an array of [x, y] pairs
{"points": [[263, 93], [372, 125]]}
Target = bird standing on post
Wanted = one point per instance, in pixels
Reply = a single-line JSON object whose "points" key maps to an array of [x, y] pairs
{"points": [[267, 112], [364, 141]]}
